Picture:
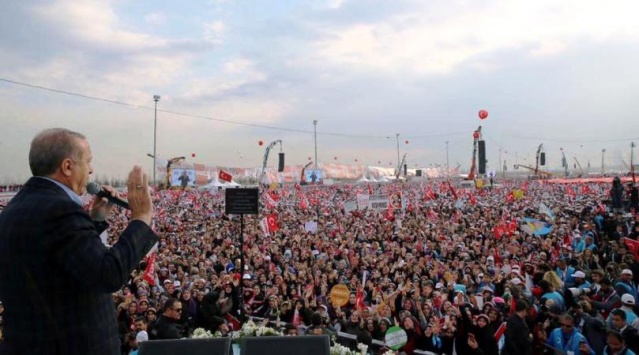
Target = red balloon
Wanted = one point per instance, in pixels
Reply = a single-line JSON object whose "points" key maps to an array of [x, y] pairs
{"points": [[475, 134], [483, 114], [193, 155], [406, 141], [260, 143]]}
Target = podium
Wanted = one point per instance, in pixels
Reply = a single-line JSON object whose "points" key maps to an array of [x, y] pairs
{"points": [[286, 345], [218, 346]]}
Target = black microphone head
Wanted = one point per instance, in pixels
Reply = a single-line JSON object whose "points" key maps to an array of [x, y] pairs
{"points": [[93, 188]]}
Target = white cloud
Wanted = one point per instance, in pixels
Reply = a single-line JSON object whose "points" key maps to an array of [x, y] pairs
{"points": [[440, 35], [335, 4], [214, 31], [237, 73], [155, 18]]}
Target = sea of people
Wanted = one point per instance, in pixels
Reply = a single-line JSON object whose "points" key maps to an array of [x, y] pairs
{"points": [[449, 266]]}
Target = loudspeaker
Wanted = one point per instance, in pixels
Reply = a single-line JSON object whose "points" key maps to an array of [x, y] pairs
{"points": [[418, 172], [542, 158], [405, 169], [280, 164], [286, 345], [220, 346], [481, 146]]}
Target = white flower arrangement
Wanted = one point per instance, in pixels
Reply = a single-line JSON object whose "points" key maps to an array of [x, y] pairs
{"points": [[250, 329], [339, 349], [201, 333]]}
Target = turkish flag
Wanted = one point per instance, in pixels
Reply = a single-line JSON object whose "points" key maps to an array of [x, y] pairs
{"points": [[359, 299], [271, 221], [429, 194], [452, 190], [303, 203], [389, 215], [149, 272], [633, 245], [224, 176]]}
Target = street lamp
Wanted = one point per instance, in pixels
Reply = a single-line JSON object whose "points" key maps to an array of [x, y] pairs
{"points": [[156, 98], [603, 151], [315, 135], [398, 162], [447, 166]]}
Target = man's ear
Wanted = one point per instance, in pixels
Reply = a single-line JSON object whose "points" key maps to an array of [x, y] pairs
{"points": [[65, 167]]}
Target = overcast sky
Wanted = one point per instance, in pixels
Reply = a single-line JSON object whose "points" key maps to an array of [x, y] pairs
{"points": [[561, 73]]}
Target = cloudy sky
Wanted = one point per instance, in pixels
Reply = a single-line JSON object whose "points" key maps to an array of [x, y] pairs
{"points": [[232, 73]]}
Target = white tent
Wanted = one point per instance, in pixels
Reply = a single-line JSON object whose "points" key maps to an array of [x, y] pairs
{"points": [[232, 184], [215, 184], [363, 179]]}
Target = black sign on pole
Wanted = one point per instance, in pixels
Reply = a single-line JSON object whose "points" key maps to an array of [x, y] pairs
{"points": [[242, 201]]}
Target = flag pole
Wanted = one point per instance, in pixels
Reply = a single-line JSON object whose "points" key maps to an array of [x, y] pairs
{"points": [[242, 268]]}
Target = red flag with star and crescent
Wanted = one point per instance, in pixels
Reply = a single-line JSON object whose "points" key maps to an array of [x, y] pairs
{"points": [[149, 272], [271, 221], [224, 176]]}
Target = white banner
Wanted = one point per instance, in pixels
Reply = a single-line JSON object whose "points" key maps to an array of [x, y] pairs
{"points": [[378, 202], [350, 206], [310, 226], [362, 201], [264, 226]]}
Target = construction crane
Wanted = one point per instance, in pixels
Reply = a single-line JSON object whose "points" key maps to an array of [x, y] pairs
{"points": [[169, 170], [577, 164], [266, 153], [473, 164], [303, 175], [399, 168], [537, 171], [564, 162]]}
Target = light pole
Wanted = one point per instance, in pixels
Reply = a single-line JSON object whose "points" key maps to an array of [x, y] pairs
{"points": [[498, 167], [603, 152], [398, 162], [632, 163], [447, 166], [156, 98], [315, 134]]}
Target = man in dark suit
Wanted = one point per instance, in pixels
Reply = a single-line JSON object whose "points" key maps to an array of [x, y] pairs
{"points": [[57, 276], [518, 337], [167, 325]]}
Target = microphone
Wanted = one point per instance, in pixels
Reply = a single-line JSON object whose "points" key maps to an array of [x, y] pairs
{"points": [[95, 189]]}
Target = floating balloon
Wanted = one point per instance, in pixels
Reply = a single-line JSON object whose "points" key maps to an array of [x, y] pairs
{"points": [[406, 141], [193, 155], [309, 158], [379, 162], [483, 114], [356, 160], [260, 143], [335, 158]]}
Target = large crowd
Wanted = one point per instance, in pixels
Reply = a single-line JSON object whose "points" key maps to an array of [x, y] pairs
{"points": [[451, 267]]}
